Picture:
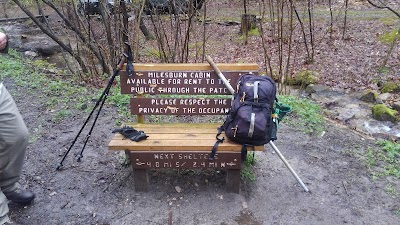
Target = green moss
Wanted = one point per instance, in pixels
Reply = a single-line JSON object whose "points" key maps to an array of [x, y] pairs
{"points": [[388, 38], [389, 87], [389, 21], [304, 77], [384, 113]]}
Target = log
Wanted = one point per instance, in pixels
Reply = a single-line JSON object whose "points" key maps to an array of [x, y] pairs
{"points": [[19, 18]]}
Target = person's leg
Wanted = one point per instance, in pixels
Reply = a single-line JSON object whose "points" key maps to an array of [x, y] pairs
{"points": [[14, 139], [3, 209]]}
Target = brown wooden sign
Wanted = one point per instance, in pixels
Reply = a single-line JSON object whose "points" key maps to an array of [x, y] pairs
{"points": [[176, 160], [177, 82], [180, 106]]}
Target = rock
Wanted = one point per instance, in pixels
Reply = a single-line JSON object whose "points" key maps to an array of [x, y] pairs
{"points": [[345, 116], [30, 54], [316, 88], [384, 113], [43, 45], [383, 97], [369, 96], [178, 189], [396, 105]]}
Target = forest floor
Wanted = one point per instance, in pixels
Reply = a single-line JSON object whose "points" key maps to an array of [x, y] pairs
{"points": [[334, 165]]}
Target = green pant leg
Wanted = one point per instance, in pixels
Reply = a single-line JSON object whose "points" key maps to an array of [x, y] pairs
{"points": [[14, 139], [3, 209]]}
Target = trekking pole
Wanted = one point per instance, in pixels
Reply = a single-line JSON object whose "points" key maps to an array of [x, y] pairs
{"points": [[288, 166], [229, 86], [126, 57], [220, 75]]}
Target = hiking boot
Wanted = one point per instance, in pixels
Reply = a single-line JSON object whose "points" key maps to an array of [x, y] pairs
{"points": [[20, 196]]}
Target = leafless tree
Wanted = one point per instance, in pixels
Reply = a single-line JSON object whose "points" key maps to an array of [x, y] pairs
{"points": [[93, 44], [382, 5], [174, 28], [284, 14]]}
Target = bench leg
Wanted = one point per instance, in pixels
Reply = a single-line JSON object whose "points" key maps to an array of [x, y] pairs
{"points": [[140, 176], [233, 181]]}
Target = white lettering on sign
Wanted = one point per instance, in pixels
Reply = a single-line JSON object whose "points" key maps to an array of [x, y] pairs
{"points": [[164, 156], [213, 110], [220, 101], [184, 160], [179, 164], [186, 106], [189, 110], [167, 75], [162, 101], [191, 101], [199, 90], [217, 90], [200, 75], [192, 81], [153, 110], [141, 81], [143, 90], [173, 90]]}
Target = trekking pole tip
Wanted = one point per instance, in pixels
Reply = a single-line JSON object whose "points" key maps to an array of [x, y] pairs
{"points": [[80, 156], [59, 166]]}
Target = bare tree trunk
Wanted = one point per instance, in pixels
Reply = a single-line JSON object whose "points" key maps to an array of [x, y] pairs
{"points": [[290, 34], [303, 31], [311, 28], [145, 31], [331, 22], [272, 18], [345, 18], [280, 17], [267, 57], [204, 32]]}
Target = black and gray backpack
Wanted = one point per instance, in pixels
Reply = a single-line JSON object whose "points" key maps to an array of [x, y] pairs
{"points": [[249, 121]]}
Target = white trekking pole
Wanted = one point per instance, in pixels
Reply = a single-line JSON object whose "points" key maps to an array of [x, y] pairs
{"points": [[232, 91]]}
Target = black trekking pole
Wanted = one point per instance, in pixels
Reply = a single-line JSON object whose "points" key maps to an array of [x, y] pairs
{"points": [[126, 57]]}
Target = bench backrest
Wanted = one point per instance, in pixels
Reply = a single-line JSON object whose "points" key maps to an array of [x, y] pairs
{"points": [[181, 89]]}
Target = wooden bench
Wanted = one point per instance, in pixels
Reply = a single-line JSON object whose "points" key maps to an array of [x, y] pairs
{"points": [[180, 90]]}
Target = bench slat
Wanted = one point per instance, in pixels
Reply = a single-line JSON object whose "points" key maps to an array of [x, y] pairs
{"points": [[176, 137]]}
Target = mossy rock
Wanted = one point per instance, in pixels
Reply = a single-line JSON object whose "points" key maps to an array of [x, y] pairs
{"points": [[390, 87], [305, 77], [369, 96], [384, 113]]}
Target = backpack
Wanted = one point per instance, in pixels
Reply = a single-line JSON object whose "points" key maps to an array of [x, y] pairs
{"points": [[249, 121]]}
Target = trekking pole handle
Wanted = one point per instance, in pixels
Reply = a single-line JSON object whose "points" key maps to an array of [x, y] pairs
{"points": [[220, 75], [122, 61]]}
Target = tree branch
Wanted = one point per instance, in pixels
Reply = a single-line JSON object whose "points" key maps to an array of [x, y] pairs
{"points": [[384, 7]]}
